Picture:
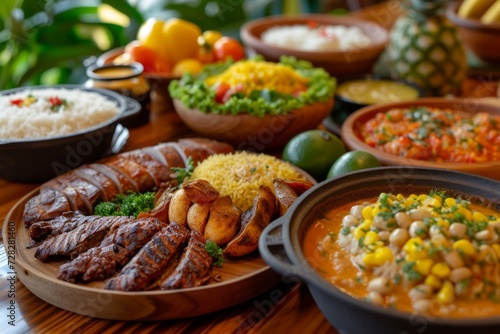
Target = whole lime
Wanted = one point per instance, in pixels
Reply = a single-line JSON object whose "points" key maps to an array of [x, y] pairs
{"points": [[314, 151], [352, 161]]}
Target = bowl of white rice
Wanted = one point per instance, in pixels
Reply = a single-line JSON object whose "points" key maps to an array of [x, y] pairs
{"points": [[48, 130], [344, 46]]}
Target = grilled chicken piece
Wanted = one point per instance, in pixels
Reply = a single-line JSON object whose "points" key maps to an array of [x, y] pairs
{"points": [[115, 251], [89, 234], [152, 260], [48, 204], [138, 171], [197, 217], [223, 221], [253, 223], [64, 223], [193, 268], [200, 191], [179, 206]]}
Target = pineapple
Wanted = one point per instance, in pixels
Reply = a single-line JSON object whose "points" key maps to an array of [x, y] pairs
{"points": [[425, 49]]}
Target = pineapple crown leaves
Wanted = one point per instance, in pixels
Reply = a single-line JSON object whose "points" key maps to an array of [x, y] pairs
{"points": [[423, 9]]}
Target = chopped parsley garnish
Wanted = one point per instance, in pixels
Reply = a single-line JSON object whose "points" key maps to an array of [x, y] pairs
{"points": [[215, 253], [130, 204], [183, 173]]}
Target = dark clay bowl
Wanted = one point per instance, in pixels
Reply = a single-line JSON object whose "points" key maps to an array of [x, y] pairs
{"points": [[41, 159], [281, 246]]}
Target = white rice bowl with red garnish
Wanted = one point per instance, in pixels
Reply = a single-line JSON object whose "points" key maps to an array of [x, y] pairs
{"points": [[41, 113]]}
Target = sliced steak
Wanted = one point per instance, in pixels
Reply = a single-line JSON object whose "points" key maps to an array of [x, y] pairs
{"points": [[193, 267], [79, 240], [47, 205], [152, 260], [64, 223], [115, 251]]}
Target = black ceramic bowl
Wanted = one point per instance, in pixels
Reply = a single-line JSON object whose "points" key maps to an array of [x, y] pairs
{"points": [[281, 246], [40, 159]]}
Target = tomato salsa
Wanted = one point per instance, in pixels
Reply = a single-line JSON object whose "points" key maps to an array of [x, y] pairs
{"points": [[435, 134]]}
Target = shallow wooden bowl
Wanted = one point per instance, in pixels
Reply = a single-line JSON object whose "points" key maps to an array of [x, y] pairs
{"points": [[248, 132], [351, 136], [337, 63], [482, 39]]}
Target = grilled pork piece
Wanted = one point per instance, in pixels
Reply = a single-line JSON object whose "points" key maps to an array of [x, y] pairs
{"points": [[89, 234], [64, 223], [152, 260], [138, 170], [115, 251], [193, 267]]}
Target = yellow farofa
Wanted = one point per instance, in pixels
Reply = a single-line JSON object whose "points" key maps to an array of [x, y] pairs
{"points": [[260, 75], [240, 174]]}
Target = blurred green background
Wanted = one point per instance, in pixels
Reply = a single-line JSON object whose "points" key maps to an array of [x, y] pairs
{"points": [[51, 41]]}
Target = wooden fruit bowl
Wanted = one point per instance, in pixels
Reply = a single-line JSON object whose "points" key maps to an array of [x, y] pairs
{"points": [[248, 132]]}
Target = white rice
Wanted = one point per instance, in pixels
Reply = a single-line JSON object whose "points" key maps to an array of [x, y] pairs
{"points": [[321, 38], [81, 110]]}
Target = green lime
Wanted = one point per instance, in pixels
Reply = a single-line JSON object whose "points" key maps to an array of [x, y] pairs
{"points": [[314, 151], [352, 161]]}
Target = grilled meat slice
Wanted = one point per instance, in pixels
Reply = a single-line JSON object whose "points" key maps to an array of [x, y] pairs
{"points": [[64, 223], [46, 205], [193, 267], [79, 240], [115, 250], [152, 260], [79, 190]]}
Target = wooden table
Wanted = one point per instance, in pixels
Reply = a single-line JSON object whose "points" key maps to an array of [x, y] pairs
{"points": [[294, 312]]}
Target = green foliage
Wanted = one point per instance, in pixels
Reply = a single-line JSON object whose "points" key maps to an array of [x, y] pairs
{"points": [[126, 205], [49, 41], [215, 252]]}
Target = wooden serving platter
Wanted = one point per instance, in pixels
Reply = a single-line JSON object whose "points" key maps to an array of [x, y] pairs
{"points": [[240, 280]]}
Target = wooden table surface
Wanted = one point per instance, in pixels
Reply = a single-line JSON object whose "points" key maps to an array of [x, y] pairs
{"points": [[294, 312]]}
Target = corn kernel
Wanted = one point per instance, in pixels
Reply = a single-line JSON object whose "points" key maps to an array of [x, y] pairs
{"points": [[446, 294], [383, 255], [358, 233], [479, 217], [370, 238], [430, 201], [365, 225], [465, 246], [423, 267], [376, 210], [443, 223], [413, 196], [433, 281], [415, 249], [441, 270], [465, 212], [369, 259], [450, 202], [422, 197], [400, 197], [367, 212], [438, 198], [496, 248], [408, 246]]}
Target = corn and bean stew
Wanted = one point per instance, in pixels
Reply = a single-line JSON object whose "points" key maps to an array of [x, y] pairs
{"points": [[435, 134], [427, 253]]}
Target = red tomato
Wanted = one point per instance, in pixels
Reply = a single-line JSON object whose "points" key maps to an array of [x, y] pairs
{"points": [[143, 55], [227, 47], [220, 92], [162, 67]]}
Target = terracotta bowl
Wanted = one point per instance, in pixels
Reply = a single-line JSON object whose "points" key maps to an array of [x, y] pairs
{"points": [[248, 132], [337, 63], [482, 39], [350, 133]]}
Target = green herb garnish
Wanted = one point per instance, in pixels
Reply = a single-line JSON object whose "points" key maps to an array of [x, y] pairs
{"points": [[215, 253], [130, 204], [183, 173]]}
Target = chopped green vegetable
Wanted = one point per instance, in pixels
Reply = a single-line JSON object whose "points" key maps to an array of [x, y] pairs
{"points": [[183, 173], [215, 253], [130, 204]]}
